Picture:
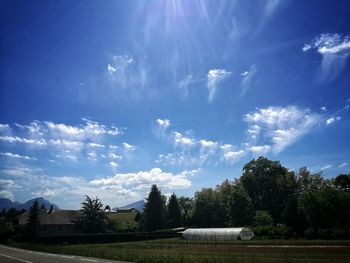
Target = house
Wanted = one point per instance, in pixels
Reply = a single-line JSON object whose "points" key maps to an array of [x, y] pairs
{"points": [[53, 224]]}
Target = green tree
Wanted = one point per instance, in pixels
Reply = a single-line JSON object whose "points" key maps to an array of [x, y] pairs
{"points": [[154, 212], [308, 182], [208, 209], [240, 208], [33, 223], [325, 209], [174, 217], [262, 218], [92, 219], [6, 229], [186, 205], [269, 185], [342, 182]]}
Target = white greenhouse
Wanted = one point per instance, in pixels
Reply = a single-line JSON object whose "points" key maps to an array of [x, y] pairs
{"points": [[241, 233]]}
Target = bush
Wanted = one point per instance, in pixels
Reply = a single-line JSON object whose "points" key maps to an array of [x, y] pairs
{"points": [[272, 232], [6, 229]]}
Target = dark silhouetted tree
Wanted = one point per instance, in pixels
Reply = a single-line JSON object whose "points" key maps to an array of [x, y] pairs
{"points": [[262, 218], [208, 210], [154, 212], [186, 205], [33, 223], [92, 219], [342, 182], [269, 185], [174, 217], [240, 208]]}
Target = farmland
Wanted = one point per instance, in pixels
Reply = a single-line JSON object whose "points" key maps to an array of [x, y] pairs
{"points": [[177, 250]]}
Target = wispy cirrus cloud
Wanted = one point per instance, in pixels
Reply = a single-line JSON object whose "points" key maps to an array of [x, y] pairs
{"points": [[128, 77], [215, 77], [184, 85], [278, 127], [161, 126], [343, 165], [192, 152], [326, 167], [334, 49], [248, 79], [89, 140], [17, 156], [332, 120]]}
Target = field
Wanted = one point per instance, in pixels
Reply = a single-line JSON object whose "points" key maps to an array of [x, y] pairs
{"points": [[122, 220], [176, 250]]}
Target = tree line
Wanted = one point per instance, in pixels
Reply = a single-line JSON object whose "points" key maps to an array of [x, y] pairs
{"points": [[273, 200]]}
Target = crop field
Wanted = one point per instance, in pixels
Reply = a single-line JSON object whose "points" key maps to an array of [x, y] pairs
{"points": [[176, 250]]}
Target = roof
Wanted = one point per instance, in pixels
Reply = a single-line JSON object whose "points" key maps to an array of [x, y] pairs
{"points": [[56, 217]]}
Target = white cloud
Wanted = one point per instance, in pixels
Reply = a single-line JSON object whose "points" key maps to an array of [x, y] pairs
{"points": [[5, 128], [66, 142], [14, 155], [343, 165], [332, 120], [208, 144], [47, 193], [335, 50], [183, 141], [127, 76], [114, 156], [12, 139], [280, 126], [162, 125], [128, 147], [144, 180], [75, 146], [184, 84], [324, 108], [111, 69], [91, 144], [229, 154], [248, 79], [233, 156], [7, 187], [90, 130], [259, 149], [113, 164], [328, 166], [215, 76]]}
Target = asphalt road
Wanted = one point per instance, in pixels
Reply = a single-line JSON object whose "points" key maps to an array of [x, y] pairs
{"points": [[16, 255]]}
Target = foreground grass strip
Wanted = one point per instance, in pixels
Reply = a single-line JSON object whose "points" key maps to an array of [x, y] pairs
{"points": [[174, 251]]}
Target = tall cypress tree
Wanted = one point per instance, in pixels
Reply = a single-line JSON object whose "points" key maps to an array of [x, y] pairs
{"points": [[33, 223], [174, 218], [154, 212]]}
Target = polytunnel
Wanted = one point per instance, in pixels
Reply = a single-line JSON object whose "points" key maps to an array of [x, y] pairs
{"points": [[241, 233]]}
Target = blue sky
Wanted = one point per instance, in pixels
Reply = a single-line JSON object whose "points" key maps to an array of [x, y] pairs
{"points": [[106, 98]]}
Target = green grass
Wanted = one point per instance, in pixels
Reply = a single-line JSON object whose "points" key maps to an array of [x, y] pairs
{"points": [[176, 250], [120, 220]]}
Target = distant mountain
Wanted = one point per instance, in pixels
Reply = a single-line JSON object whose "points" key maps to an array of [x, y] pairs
{"points": [[7, 203], [139, 205]]}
